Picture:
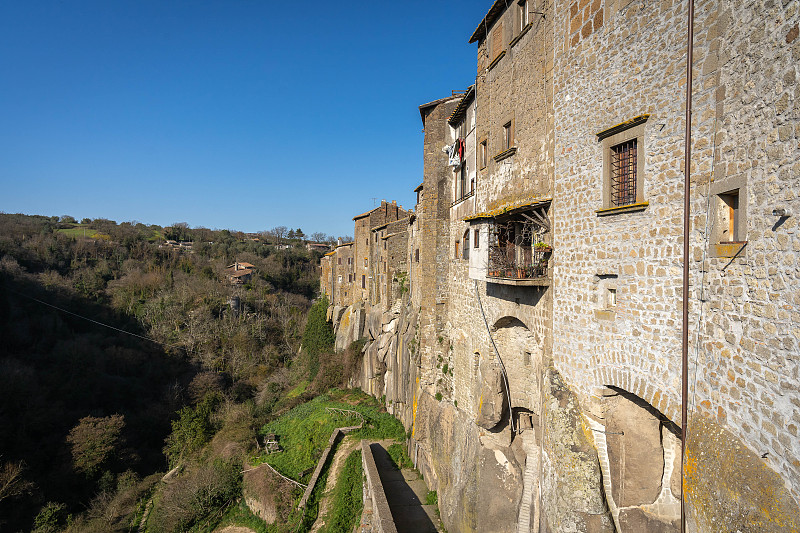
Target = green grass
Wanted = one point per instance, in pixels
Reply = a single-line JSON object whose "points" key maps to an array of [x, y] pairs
{"points": [[78, 230], [346, 501], [297, 391], [303, 432]]}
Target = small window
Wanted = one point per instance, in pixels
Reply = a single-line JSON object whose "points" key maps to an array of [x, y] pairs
{"points": [[363, 281], [339, 261], [458, 249], [729, 217], [466, 245], [416, 255], [526, 358], [483, 154], [612, 297], [522, 15], [365, 262], [477, 238], [507, 136], [340, 279]]}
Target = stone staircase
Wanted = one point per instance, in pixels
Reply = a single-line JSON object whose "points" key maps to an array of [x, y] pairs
{"points": [[530, 484]]}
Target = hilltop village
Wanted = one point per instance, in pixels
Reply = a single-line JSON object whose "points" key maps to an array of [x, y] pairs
{"points": [[523, 320]]}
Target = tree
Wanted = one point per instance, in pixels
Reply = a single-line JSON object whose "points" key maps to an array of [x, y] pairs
{"points": [[95, 441], [12, 484], [280, 232], [292, 234], [299, 234], [318, 236], [66, 219]]}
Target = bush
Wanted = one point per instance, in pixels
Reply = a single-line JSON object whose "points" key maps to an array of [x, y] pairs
{"points": [[199, 495], [398, 455], [94, 442], [431, 498], [51, 518], [193, 428]]}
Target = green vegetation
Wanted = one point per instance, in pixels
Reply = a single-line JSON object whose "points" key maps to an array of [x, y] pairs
{"points": [[318, 336], [347, 497], [117, 350], [399, 456], [431, 498], [304, 431]]}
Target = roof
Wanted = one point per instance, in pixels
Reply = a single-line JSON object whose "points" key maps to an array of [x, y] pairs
{"points": [[519, 205], [362, 215], [419, 187], [239, 273], [461, 108], [424, 107], [494, 13], [344, 244]]}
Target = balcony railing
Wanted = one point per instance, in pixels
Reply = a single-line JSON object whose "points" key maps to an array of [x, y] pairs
{"points": [[503, 265]]}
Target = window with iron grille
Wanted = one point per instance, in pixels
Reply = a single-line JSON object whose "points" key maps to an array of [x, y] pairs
{"points": [[623, 149], [623, 173]]}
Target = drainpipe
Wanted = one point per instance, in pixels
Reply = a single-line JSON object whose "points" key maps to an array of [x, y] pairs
{"points": [[686, 205]]}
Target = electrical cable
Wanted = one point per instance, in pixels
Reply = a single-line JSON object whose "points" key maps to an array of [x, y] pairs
{"points": [[91, 320], [496, 351]]}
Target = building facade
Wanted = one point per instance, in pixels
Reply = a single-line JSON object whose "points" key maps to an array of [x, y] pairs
{"points": [[530, 338]]}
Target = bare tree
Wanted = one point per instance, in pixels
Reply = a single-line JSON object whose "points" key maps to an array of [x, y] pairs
{"points": [[280, 232], [318, 236], [12, 484]]}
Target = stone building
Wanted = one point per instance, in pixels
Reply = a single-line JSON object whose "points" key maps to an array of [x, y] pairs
{"points": [[536, 353]]}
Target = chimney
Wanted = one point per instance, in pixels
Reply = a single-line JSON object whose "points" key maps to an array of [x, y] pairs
{"points": [[339, 241]]}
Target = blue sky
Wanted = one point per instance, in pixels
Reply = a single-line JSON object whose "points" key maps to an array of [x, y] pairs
{"points": [[226, 114]]}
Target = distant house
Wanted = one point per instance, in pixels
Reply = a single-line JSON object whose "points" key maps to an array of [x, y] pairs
{"points": [[318, 246], [239, 273]]}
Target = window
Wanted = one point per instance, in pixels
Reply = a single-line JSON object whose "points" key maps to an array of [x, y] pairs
{"points": [[466, 245], [458, 249], [623, 173], [623, 166], [340, 279], [483, 154], [497, 42], [477, 235], [729, 216], [416, 255], [507, 136], [522, 15], [526, 358], [340, 260], [612, 297], [462, 180], [363, 281], [365, 262]]}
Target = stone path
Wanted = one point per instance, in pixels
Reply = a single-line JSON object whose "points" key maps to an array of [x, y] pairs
{"points": [[344, 449], [405, 492]]}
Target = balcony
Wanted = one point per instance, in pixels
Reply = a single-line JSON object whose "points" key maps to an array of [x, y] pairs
{"points": [[520, 264]]}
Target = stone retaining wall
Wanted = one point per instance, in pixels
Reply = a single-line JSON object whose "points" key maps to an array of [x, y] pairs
{"points": [[374, 496]]}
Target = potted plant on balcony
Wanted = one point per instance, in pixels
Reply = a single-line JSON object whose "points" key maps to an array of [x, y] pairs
{"points": [[541, 246]]}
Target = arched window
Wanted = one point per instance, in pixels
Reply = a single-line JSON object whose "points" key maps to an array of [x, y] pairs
{"points": [[466, 244]]}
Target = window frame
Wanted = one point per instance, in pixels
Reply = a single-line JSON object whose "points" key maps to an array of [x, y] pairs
{"points": [[612, 138]]}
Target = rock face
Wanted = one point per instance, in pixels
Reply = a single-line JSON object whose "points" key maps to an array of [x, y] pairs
{"points": [[545, 474]]}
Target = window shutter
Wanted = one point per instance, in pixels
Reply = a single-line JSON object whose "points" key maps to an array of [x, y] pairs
{"points": [[497, 41]]}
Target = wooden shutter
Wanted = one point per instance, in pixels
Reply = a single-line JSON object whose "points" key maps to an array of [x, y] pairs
{"points": [[497, 40]]}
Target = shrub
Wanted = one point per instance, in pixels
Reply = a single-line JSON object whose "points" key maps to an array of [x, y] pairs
{"points": [[94, 442], [193, 428]]}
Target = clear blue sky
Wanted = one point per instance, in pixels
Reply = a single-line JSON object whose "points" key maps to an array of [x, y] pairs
{"points": [[226, 114]]}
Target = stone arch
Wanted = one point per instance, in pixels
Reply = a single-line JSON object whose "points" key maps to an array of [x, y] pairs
{"points": [[625, 379], [522, 354], [639, 451]]}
